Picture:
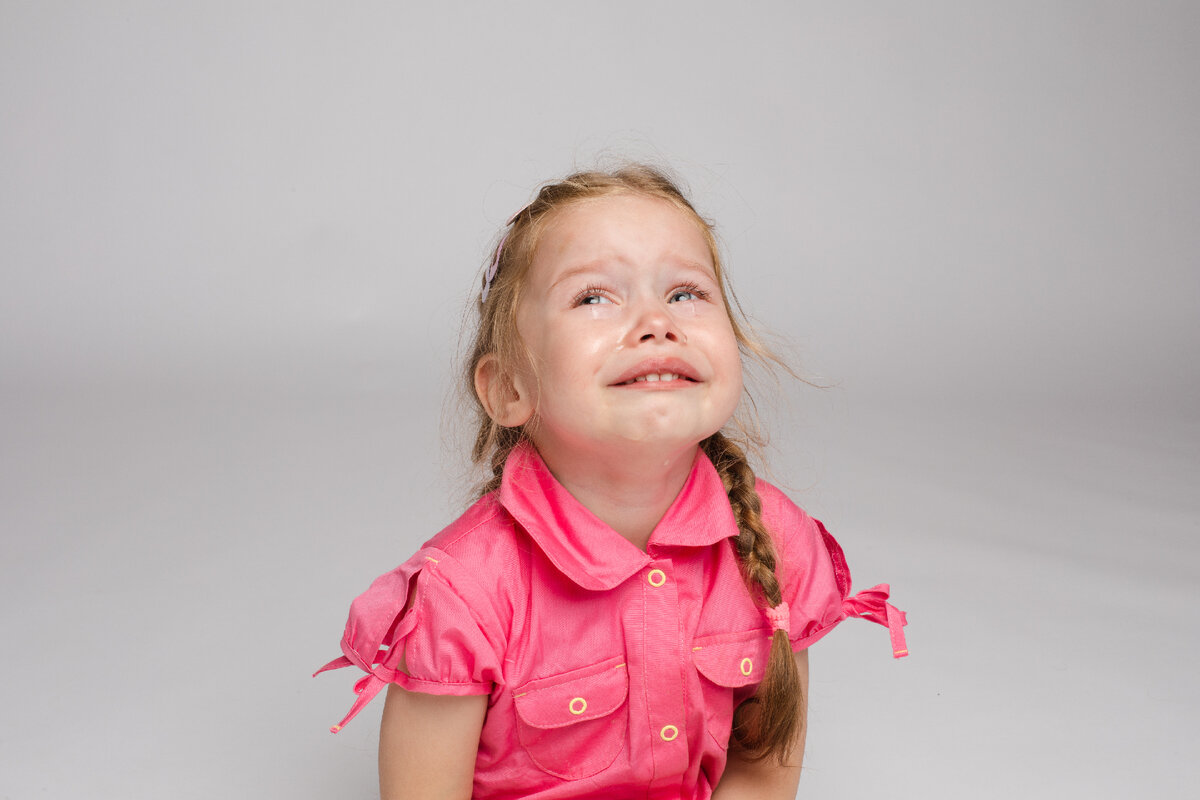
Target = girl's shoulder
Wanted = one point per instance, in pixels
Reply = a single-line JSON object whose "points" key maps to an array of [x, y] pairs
{"points": [[479, 529], [790, 525], [480, 553], [777, 504]]}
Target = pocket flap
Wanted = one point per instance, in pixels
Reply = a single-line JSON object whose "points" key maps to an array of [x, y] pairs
{"points": [[575, 696], [733, 659]]}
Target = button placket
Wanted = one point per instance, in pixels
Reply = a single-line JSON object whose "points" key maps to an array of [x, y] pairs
{"points": [[664, 668]]}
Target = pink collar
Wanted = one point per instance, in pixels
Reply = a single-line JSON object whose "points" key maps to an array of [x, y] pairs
{"points": [[589, 552]]}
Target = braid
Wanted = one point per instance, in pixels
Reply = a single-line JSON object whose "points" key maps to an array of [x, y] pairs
{"points": [[768, 724], [495, 443]]}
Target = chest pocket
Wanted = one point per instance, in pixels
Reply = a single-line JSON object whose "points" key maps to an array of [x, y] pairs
{"points": [[573, 725], [731, 666]]}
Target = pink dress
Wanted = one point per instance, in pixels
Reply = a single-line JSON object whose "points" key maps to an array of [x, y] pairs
{"points": [[609, 671]]}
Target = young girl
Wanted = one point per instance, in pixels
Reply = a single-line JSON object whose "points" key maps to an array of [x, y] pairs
{"points": [[625, 611]]}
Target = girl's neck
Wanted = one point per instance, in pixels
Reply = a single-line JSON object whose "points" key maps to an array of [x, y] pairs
{"points": [[630, 491]]}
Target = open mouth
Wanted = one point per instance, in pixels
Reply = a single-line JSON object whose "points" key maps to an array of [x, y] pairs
{"points": [[658, 371], [656, 377]]}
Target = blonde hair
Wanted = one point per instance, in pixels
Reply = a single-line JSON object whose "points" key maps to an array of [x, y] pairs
{"points": [[768, 724]]}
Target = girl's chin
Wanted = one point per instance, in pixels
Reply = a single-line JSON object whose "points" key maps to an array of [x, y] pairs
{"points": [[666, 443], [669, 435], [663, 437]]}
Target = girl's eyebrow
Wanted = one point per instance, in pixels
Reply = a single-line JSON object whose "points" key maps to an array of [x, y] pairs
{"points": [[694, 266], [574, 272], [595, 266]]}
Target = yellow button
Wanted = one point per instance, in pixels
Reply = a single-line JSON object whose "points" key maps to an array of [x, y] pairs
{"points": [[656, 578], [668, 733], [577, 706], [747, 666]]}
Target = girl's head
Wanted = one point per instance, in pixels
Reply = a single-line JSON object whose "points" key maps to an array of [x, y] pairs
{"points": [[595, 279], [604, 274]]}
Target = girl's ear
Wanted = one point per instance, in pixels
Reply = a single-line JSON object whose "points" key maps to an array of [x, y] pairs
{"points": [[505, 397]]}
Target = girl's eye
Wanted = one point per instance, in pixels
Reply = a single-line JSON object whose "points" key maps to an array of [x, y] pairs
{"points": [[591, 296], [684, 293]]}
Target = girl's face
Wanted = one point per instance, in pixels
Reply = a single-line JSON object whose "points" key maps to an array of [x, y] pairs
{"points": [[626, 330]]}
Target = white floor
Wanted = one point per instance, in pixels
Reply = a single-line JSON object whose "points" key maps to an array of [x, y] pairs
{"points": [[176, 567]]}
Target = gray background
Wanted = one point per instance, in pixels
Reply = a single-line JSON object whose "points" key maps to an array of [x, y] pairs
{"points": [[237, 240]]}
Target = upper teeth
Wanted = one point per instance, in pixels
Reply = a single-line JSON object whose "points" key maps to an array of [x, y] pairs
{"points": [[655, 376]]}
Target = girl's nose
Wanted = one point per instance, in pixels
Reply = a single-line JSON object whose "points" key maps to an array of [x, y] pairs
{"points": [[658, 324]]}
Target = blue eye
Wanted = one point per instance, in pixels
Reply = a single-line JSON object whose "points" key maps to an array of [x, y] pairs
{"points": [[684, 293], [591, 296]]}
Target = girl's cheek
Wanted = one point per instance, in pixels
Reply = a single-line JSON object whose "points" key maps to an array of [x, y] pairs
{"points": [[602, 311]]}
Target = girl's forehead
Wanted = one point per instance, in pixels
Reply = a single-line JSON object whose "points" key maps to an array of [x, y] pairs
{"points": [[624, 221]]}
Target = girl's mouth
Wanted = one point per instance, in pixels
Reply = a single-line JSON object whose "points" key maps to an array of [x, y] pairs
{"points": [[655, 377], [657, 371]]}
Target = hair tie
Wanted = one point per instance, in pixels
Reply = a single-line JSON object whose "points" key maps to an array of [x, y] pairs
{"points": [[778, 617], [495, 265]]}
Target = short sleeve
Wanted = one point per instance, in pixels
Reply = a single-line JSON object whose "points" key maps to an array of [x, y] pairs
{"points": [[451, 645], [449, 637], [816, 579]]}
